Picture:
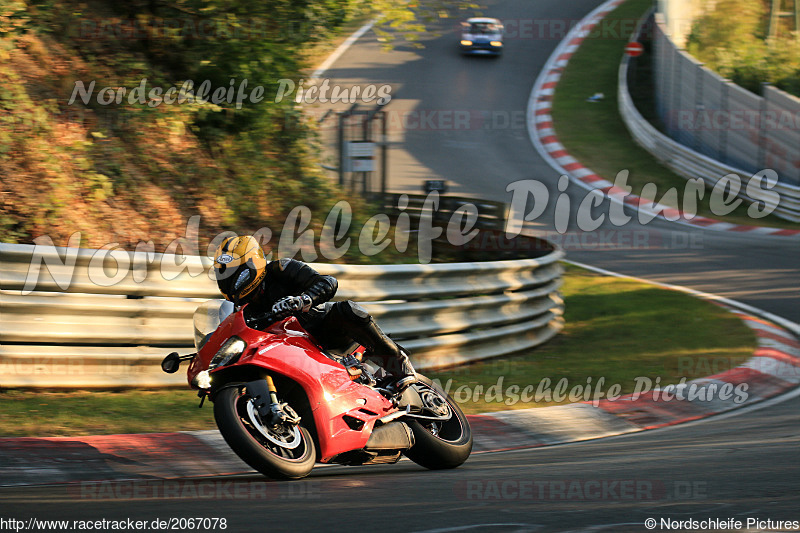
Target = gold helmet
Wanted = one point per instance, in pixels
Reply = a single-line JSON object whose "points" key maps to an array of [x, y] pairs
{"points": [[239, 266]]}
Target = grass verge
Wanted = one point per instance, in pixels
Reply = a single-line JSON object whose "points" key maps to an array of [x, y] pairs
{"points": [[616, 329], [594, 133]]}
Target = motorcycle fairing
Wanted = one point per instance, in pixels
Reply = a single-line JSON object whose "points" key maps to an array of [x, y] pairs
{"points": [[344, 412]]}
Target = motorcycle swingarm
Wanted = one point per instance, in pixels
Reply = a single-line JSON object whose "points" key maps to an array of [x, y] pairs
{"points": [[412, 406]]}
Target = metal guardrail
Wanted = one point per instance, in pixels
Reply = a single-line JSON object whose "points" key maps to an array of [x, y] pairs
{"points": [[491, 215], [683, 160], [65, 325]]}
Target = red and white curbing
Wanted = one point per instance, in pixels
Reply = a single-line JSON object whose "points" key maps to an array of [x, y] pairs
{"points": [[544, 139], [773, 369]]}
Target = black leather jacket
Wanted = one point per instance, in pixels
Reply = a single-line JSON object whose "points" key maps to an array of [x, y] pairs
{"points": [[288, 277]]}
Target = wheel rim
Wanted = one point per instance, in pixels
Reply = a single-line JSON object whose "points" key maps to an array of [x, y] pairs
{"points": [[283, 436], [450, 430], [286, 442], [435, 403]]}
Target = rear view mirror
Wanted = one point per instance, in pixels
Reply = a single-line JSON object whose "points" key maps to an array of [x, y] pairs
{"points": [[171, 363]]}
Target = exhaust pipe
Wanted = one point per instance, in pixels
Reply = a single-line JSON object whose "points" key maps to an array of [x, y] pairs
{"points": [[394, 436]]}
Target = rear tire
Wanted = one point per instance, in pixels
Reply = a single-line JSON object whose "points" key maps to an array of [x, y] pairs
{"points": [[440, 445], [245, 435]]}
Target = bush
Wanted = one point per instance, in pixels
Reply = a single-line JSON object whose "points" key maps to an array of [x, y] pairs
{"points": [[731, 40]]}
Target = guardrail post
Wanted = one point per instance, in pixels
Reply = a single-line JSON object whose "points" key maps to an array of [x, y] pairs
{"points": [[762, 128]]}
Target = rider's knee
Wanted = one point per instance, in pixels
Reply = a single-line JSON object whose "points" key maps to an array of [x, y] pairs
{"points": [[353, 311]]}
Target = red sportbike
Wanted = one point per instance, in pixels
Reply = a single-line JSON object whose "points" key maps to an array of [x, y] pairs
{"points": [[282, 403]]}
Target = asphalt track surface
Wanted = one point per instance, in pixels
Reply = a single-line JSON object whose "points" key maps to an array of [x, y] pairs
{"points": [[736, 467]]}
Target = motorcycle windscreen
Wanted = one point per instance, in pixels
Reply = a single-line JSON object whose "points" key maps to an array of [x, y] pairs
{"points": [[207, 318]]}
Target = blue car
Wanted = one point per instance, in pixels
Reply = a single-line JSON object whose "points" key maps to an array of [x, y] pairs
{"points": [[482, 35]]}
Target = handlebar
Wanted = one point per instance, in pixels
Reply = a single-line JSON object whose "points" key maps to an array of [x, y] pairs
{"points": [[256, 320]]}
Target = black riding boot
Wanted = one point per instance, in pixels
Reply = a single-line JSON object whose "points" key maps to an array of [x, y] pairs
{"points": [[356, 323]]}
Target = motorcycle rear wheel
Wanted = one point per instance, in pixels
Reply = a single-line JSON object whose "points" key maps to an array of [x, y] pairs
{"points": [[440, 445], [247, 437]]}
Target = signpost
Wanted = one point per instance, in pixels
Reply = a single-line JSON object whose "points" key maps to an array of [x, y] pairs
{"points": [[358, 143]]}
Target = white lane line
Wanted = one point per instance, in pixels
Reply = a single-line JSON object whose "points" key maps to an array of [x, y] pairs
{"points": [[783, 322], [331, 59]]}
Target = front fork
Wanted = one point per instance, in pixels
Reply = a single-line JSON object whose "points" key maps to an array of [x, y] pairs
{"points": [[265, 398]]}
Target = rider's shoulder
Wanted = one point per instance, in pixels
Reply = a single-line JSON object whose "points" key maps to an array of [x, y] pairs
{"points": [[284, 264]]}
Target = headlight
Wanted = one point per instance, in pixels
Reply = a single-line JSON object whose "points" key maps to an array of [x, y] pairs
{"points": [[466, 43], [496, 43], [228, 353], [203, 380]]}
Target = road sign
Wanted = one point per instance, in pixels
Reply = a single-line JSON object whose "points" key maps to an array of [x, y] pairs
{"points": [[360, 149], [634, 49], [362, 165]]}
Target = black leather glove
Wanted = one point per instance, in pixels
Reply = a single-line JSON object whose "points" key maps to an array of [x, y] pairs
{"points": [[291, 304]]}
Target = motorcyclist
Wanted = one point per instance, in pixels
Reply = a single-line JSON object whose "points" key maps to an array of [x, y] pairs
{"points": [[289, 287]]}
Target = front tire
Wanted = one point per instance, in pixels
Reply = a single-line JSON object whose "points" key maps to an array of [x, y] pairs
{"points": [[440, 445], [288, 453]]}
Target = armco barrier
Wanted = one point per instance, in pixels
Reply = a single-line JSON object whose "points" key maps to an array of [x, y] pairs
{"points": [[72, 318], [490, 215], [682, 159]]}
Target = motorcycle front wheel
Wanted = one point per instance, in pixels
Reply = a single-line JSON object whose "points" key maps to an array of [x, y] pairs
{"points": [[278, 452]]}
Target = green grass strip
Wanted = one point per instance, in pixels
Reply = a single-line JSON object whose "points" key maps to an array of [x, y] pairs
{"points": [[617, 329]]}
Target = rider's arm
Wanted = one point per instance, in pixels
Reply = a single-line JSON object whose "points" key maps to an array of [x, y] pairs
{"points": [[308, 281]]}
